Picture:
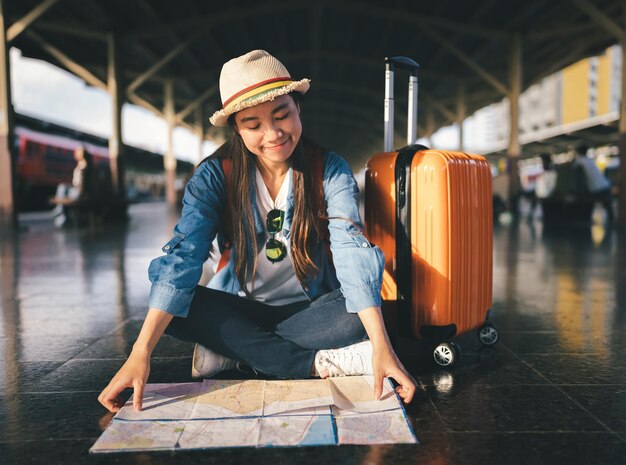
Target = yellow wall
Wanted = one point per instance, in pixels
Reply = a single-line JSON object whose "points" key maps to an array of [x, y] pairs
{"points": [[604, 83], [575, 92]]}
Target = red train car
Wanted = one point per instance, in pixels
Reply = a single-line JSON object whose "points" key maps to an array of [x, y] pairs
{"points": [[48, 160], [44, 154]]}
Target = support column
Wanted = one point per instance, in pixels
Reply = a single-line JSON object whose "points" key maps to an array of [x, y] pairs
{"points": [[169, 161], [460, 114], [116, 91], [622, 142], [514, 150], [200, 130], [8, 210], [430, 127]]}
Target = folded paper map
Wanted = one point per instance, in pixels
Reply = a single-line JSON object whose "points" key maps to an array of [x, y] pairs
{"points": [[258, 413]]}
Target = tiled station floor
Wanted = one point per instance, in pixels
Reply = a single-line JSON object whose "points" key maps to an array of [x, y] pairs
{"points": [[552, 391]]}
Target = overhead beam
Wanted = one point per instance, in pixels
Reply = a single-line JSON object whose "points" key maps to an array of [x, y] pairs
{"points": [[274, 8], [600, 18], [207, 94], [177, 50], [342, 58], [208, 21], [486, 75], [370, 96], [369, 62], [72, 30], [366, 145], [438, 106], [352, 90], [66, 61], [21, 24], [140, 101], [418, 20], [457, 34], [571, 56], [554, 32], [154, 16], [91, 79], [367, 125], [348, 113], [137, 100]]}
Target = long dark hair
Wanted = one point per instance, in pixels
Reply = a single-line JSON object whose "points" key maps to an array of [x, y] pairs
{"points": [[308, 218]]}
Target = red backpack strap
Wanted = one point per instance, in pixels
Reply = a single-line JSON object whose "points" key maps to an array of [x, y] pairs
{"points": [[227, 168]]}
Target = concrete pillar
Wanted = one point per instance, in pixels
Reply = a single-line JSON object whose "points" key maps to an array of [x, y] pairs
{"points": [[200, 130], [116, 91], [8, 210], [169, 161], [460, 114], [514, 151], [430, 127], [622, 142]]}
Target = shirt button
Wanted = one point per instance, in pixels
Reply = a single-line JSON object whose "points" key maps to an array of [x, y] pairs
{"points": [[167, 247], [364, 244], [306, 288]]}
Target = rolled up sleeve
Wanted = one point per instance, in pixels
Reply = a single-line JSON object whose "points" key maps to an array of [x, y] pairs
{"points": [[175, 274], [358, 264]]}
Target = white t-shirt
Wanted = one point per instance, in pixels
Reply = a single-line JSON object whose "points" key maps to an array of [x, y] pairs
{"points": [[274, 283], [545, 184]]}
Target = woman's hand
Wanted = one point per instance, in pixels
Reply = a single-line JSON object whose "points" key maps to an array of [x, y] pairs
{"points": [[133, 374], [384, 360], [385, 363]]}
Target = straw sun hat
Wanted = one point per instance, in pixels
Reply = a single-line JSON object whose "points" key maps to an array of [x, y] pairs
{"points": [[251, 79]]}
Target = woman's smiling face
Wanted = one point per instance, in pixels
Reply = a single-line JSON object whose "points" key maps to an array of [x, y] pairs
{"points": [[271, 130]]}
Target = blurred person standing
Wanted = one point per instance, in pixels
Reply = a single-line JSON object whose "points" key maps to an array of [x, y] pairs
{"points": [[592, 182], [546, 181], [82, 177]]}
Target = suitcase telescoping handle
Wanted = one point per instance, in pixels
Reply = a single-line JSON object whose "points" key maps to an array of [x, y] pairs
{"points": [[412, 67]]}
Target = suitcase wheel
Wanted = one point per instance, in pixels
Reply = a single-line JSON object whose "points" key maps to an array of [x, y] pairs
{"points": [[446, 354], [488, 334]]}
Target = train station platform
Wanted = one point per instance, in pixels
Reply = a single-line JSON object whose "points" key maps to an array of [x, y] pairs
{"points": [[553, 390]]}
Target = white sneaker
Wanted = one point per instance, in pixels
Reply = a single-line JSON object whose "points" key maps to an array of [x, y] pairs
{"points": [[207, 363], [352, 360]]}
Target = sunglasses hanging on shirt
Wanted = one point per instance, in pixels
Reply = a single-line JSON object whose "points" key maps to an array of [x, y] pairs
{"points": [[275, 250]]}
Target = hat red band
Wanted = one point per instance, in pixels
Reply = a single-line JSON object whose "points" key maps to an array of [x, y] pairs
{"points": [[286, 80]]}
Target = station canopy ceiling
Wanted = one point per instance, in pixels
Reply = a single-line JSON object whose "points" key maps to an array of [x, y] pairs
{"points": [[339, 44]]}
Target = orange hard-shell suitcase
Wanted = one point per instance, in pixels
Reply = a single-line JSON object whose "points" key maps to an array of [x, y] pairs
{"points": [[430, 211]]}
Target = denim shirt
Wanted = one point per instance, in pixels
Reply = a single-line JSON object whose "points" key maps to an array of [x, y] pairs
{"points": [[357, 265]]}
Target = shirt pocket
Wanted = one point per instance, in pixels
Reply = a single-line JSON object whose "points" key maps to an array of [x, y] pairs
{"points": [[169, 247]]}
